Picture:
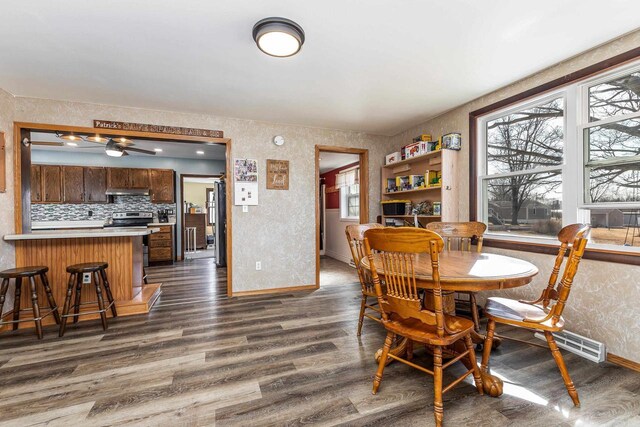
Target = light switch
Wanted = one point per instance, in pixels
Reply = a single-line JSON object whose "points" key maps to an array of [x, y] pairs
{"points": [[245, 208]]}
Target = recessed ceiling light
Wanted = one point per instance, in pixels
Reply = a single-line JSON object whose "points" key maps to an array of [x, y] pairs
{"points": [[71, 144], [122, 140], [200, 152], [280, 37], [158, 150]]}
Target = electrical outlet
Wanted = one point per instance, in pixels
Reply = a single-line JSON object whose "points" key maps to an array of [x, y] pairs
{"points": [[86, 278], [245, 208], [258, 265]]}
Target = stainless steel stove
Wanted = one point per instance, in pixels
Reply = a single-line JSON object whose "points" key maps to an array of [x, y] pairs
{"points": [[132, 219]]}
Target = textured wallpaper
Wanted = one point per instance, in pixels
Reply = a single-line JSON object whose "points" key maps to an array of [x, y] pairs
{"points": [[280, 231], [604, 300]]}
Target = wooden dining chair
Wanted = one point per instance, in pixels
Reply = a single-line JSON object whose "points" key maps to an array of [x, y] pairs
{"points": [[459, 236], [355, 238], [402, 310], [544, 314]]}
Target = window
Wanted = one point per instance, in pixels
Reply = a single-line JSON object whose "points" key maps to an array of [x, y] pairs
{"points": [[349, 183], [572, 155]]}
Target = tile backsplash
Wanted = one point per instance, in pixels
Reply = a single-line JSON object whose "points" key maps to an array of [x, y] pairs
{"points": [[100, 211]]}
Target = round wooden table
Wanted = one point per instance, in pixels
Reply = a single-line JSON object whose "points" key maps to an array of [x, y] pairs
{"points": [[469, 272]]}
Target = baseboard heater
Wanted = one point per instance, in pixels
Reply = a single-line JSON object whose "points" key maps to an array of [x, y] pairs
{"points": [[577, 344]]}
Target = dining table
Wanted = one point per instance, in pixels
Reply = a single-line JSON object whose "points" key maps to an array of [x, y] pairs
{"points": [[464, 272]]}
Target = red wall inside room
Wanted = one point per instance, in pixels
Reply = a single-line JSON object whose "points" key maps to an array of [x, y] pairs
{"points": [[333, 199]]}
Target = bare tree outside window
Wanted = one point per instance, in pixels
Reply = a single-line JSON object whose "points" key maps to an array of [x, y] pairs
{"points": [[518, 144]]}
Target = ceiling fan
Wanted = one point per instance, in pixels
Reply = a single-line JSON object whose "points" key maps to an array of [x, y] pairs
{"points": [[114, 147]]}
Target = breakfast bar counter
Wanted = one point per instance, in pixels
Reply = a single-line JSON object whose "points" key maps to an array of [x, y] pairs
{"points": [[121, 248]]}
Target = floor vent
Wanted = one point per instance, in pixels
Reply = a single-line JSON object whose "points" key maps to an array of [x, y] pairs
{"points": [[582, 346]]}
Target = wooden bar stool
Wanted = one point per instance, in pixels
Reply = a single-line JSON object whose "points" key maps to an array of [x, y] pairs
{"points": [[100, 281], [29, 273]]}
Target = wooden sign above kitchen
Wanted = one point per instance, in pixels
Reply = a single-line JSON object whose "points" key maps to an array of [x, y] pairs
{"points": [[142, 127]]}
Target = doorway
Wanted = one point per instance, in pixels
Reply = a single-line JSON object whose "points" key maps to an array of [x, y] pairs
{"points": [[199, 198], [342, 189]]}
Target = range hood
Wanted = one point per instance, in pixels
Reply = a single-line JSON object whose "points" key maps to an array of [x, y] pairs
{"points": [[127, 192]]}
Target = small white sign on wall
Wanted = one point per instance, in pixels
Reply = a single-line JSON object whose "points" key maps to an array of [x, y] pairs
{"points": [[245, 176]]}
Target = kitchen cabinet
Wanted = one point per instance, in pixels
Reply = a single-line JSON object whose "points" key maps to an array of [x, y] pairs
{"points": [[162, 186], [51, 184], [161, 246], [73, 184], [36, 184], [95, 185], [138, 178], [118, 178]]}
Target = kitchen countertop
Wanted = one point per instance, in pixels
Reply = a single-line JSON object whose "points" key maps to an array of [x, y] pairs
{"points": [[49, 225], [160, 224], [81, 234]]}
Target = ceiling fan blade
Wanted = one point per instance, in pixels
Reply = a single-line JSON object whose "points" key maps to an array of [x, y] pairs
{"points": [[140, 150], [52, 144]]}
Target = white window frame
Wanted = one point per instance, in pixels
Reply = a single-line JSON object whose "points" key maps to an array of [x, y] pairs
{"points": [[574, 206], [344, 203]]}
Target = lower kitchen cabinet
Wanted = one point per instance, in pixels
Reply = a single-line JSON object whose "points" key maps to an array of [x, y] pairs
{"points": [[161, 245]]}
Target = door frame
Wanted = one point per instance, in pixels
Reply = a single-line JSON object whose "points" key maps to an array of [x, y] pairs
{"points": [[182, 176], [22, 171], [364, 191]]}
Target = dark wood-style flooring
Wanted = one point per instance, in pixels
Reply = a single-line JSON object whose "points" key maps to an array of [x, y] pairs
{"points": [[285, 359]]}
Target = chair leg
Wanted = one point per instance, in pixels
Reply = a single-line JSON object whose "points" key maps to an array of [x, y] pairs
{"points": [[472, 359], [35, 306], [16, 302], [107, 289], [52, 301], [383, 361], [363, 303], [474, 311], [103, 313], [67, 305], [409, 350], [555, 351], [486, 348], [438, 410], [3, 293], [76, 305]]}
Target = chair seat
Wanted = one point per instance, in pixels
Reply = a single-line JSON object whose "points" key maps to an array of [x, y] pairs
{"points": [[419, 331], [512, 312], [23, 272], [87, 267]]}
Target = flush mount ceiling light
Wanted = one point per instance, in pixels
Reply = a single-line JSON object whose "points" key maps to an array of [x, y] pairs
{"points": [[278, 37], [158, 150], [113, 149]]}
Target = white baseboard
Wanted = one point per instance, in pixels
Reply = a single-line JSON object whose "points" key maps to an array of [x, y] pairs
{"points": [[339, 257]]}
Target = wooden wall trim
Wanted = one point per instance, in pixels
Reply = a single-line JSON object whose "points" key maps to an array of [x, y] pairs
{"points": [[584, 73], [625, 363], [364, 191], [3, 164], [22, 172], [275, 290]]}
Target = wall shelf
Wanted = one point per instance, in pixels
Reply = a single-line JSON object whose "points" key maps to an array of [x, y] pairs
{"points": [[415, 190], [413, 159]]}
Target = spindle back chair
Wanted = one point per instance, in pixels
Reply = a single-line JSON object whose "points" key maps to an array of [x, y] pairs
{"points": [[459, 236], [396, 250], [542, 315], [355, 239]]}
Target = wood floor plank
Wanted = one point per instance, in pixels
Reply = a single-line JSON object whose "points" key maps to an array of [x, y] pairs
{"points": [[200, 358]]}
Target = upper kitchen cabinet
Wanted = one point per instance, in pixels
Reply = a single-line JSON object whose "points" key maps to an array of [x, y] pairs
{"points": [[51, 184], [139, 178], [73, 184], [36, 183], [95, 185], [118, 178], [162, 187]]}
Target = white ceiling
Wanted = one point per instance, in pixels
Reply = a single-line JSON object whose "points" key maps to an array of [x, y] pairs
{"points": [[377, 65], [181, 150], [330, 161]]}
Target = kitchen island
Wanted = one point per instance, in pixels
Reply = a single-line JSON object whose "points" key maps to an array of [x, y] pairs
{"points": [[122, 249]]}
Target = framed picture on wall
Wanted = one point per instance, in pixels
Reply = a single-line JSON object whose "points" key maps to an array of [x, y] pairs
{"points": [[277, 174]]}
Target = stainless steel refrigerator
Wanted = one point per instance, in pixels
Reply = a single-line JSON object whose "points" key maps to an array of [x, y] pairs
{"points": [[220, 200]]}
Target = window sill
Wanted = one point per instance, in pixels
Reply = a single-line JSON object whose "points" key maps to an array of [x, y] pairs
{"points": [[550, 247], [350, 219]]}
